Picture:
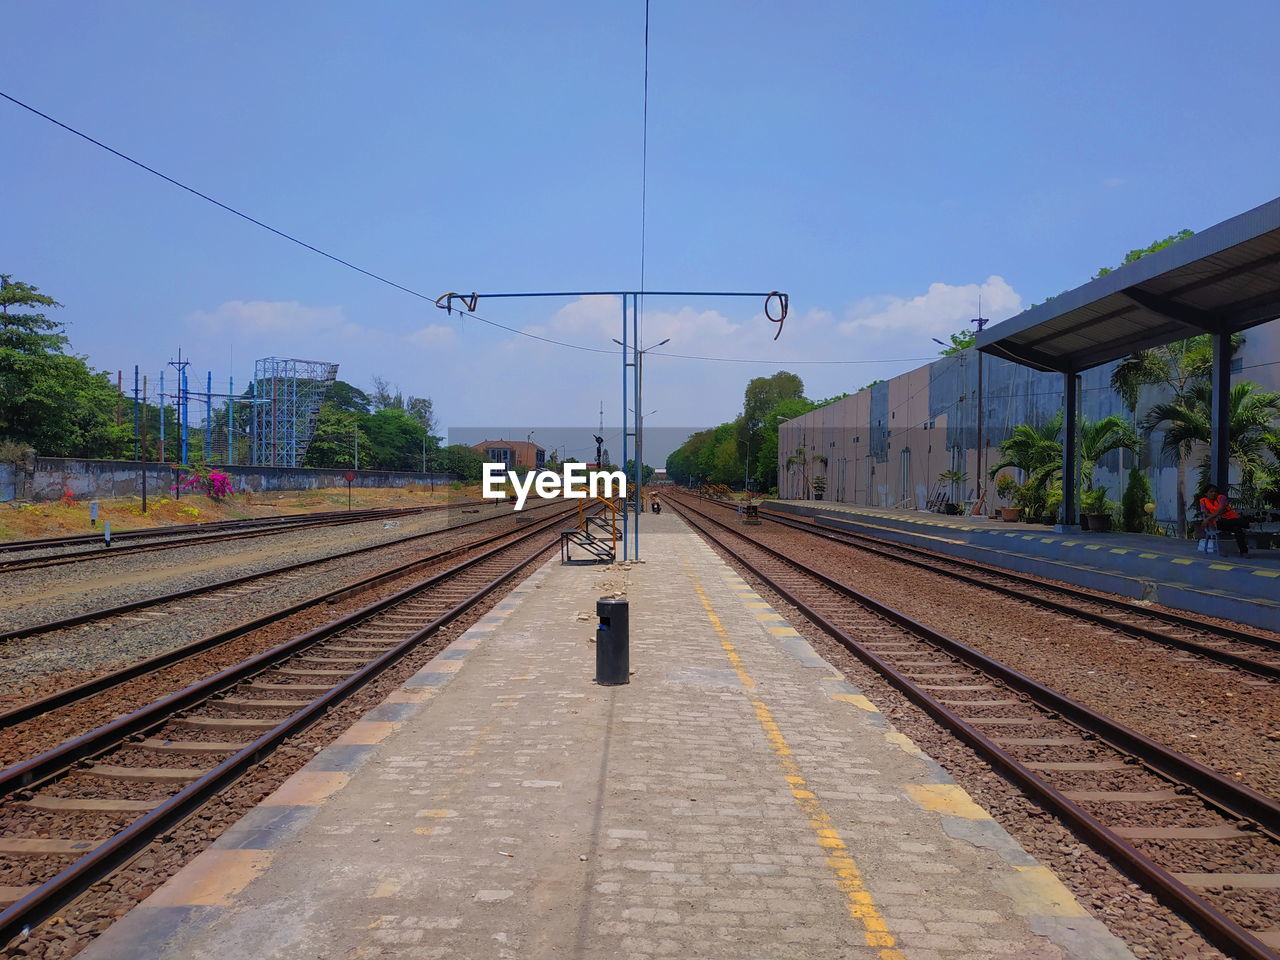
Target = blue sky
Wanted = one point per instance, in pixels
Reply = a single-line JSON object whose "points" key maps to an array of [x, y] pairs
{"points": [[880, 162]]}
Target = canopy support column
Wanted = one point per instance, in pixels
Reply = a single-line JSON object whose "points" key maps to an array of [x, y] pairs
{"points": [[1070, 444], [1220, 426]]}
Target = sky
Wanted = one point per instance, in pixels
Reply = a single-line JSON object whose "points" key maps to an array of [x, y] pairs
{"points": [[883, 164]]}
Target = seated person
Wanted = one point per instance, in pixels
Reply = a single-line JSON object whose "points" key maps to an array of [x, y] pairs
{"points": [[1218, 515]]}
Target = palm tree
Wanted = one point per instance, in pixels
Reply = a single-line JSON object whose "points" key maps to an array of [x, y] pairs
{"points": [[1187, 420], [1037, 451], [802, 458], [1176, 366], [1031, 450], [1100, 437]]}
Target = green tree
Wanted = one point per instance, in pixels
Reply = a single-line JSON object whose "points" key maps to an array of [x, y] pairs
{"points": [[460, 459], [767, 457], [631, 465], [1037, 453], [334, 442], [1187, 420], [48, 398], [683, 463], [1176, 367], [960, 340], [1133, 256], [395, 439], [760, 396], [343, 396]]}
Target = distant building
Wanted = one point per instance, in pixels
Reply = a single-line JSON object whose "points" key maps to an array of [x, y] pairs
{"points": [[514, 453]]}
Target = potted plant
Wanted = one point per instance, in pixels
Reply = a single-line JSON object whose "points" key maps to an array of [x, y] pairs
{"points": [[953, 479], [819, 487], [1095, 511], [1009, 490]]}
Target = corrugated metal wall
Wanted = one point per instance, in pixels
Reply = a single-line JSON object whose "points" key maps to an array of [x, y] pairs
{"points": [[887, 445]]}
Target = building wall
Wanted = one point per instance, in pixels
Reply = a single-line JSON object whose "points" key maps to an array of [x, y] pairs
{"points": [[887, 444], [92, 479]]}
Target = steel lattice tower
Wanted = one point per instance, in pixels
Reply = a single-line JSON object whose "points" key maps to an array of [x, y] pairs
{"points": [[286, 403]]}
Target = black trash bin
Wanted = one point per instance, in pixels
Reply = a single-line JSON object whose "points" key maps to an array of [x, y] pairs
{"points": [[613, 657]]}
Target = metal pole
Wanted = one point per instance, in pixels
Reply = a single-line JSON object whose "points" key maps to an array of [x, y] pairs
{"points": [[208, 416], [981, 449], [231, 410], [144, 445], [626, 520], [1220, 425], [1071, 413], [162, 414], [639, 467], [357, 463], [135, 412], [635, 339], [186, 418]]}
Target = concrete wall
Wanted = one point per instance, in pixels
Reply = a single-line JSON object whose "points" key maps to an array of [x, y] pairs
{"points": [[92, 479], [886, 445]]}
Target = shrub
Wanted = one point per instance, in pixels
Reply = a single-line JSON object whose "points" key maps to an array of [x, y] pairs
{"points": [[212, 483], [1133, 505]]}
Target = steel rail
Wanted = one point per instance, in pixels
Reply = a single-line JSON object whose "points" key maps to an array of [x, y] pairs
{"points": [[50, 543], [931, 560], [63, 559], [61, 698], [1168, 616], [1219, 929], [45, 900], [102, 613]]}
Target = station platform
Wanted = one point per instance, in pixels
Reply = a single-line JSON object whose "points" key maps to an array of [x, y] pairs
{"points": [[737, 799], [1161, 569]]}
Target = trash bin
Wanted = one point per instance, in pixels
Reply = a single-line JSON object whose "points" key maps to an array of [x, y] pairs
{"points": [[613, 657]]}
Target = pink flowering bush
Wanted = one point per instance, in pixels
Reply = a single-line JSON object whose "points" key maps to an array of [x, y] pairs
{"points": [[214, 484]]}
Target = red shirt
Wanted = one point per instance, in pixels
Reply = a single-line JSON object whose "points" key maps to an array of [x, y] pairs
{"points": [[1209, 506]]}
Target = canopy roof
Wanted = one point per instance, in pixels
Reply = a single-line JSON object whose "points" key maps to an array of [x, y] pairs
{"points": [[1221, 280]]}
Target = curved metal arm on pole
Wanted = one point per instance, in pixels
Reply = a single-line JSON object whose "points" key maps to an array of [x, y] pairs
{"points": [[784, 303], [468, 301]]}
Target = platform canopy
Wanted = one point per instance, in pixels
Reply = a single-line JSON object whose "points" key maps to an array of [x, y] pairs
{"points": [[1222, 280]]}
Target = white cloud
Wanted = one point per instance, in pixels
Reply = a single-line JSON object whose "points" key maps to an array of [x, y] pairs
{"points": [[433, 335], [272, 320], [940, 310]]}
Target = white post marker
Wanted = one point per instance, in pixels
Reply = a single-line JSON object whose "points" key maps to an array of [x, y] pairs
{"points": [[106, 532]]}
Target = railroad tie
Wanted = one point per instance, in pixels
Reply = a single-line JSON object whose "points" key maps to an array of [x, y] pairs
{"points": [[214, 723], [112, 772], [111, 805], [1125, 796], [1178, 833], [11, 895], [37, 847], [191, 746]]}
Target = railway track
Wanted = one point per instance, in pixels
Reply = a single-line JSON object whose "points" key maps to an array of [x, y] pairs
{"points": [[237, 587], [141, 774], [1161, 817], [1253, 653], [220, 533], [99, 684]]}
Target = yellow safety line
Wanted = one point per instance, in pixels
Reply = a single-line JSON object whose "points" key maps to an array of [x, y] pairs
{"points": [[847, 876]]}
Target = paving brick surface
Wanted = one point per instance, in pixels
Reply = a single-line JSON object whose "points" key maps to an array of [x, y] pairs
{"points": [[737, 799]]}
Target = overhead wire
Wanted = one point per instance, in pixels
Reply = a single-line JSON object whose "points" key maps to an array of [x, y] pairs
{"points": [[284, 235]]}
